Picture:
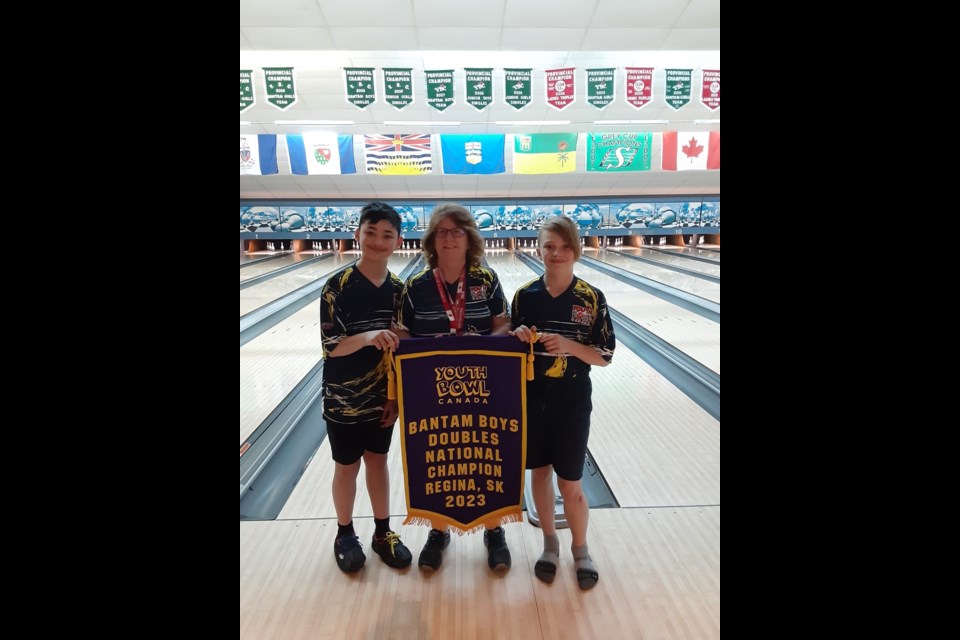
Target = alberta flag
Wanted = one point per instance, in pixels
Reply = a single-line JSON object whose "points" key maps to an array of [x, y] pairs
{"points": [[258, 155], [544, 153], [684, 151], [320, 153], [472, 154]]}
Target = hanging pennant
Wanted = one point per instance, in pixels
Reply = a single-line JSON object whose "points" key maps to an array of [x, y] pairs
{"points": [[398, 87], [710, 90], [639, 86], [439, 89], [517, 87], [361, 91], [279, 83], [677, 92], [560, 88], [479, 85], [600, 88], [246, 89]]}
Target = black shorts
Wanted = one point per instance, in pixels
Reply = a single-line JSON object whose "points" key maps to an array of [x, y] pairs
{"points": [[349, 441], [558, 424]]}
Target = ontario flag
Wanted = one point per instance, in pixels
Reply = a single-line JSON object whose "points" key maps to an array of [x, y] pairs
{"points": [[685, 151], [320, 153], [398, 154], [258, 155]]}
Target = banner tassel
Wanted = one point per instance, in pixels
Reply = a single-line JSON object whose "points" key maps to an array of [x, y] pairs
{"points": [[391, 376], [533, 338]]}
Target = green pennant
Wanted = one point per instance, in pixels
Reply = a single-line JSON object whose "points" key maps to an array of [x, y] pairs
{"points": [[600, 87], [439, 89], [479, 87], [361, 91], [398, 87], [678, 87], [246, 89], [517, 87], [279, 83]]}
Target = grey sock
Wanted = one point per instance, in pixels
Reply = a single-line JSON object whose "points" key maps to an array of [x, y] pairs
{"points": [[546, 567], [587, 575]]}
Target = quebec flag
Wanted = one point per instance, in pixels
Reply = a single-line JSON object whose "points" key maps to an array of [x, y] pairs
{"points": [[471, 154], [258, 155], [320, 153]]}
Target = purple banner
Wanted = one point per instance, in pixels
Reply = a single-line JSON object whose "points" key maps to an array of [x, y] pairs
{"points": [[463, 418]]}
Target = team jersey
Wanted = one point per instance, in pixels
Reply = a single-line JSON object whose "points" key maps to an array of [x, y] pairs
{"points": [[355, 386], [579, 314], [422, 312]]}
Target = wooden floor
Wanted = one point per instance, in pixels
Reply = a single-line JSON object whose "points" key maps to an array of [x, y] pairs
{"points": [[659, 578], [658, 555]]}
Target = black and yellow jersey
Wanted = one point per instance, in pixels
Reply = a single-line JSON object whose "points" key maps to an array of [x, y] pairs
{"points": [[355, 386], [422, 313], [579, 314]]}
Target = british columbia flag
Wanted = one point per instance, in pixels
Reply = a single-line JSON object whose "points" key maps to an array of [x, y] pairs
{"points": [[398, 154]]}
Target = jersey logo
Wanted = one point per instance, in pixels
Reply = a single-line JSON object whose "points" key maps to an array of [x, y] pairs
{"points": [[478, 293], [582, 315]]}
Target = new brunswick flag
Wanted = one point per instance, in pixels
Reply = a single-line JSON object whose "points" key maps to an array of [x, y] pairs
{"points": [[463, 429], [398, 155], [544, 153]]}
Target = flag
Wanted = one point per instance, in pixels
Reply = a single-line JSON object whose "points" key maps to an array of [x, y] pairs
{"points": [[683, 151], [258, 155], [472, 153], [619, 152], [320, 153], [544, 153], [398, 155]]}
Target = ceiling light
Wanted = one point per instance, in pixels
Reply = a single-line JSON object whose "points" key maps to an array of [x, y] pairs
{"points": [[631, 122], [423, 123], [529, 123], [313, 122], [244, 123], [716, 121]]}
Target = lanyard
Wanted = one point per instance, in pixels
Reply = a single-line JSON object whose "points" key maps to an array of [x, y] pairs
{"points": [[455, 310]]}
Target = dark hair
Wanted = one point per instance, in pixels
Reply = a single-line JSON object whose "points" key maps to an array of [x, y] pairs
{"points": [[374, 212], [566, 229], [462, 218]]}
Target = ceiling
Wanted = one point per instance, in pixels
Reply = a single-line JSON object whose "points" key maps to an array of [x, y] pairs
{"points": [[320, 37]]}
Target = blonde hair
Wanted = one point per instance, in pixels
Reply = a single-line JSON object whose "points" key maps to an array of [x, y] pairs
{"points": [[462, 218], [564, 227]]}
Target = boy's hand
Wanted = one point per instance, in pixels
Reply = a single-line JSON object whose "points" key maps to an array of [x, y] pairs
{"points": [[383, 339], [553, 343], [390, 413], [523, 333]]}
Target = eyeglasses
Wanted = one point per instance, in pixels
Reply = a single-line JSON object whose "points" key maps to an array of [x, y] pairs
{"points": [[456, 232]]}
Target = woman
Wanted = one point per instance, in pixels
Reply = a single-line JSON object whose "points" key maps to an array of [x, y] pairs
{"points": [[455, 296], [575, 333]]}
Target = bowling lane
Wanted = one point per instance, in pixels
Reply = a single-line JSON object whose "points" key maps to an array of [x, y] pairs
{"points": [[269, 290], [711, 268], [255, 270], [682, 281], [696, 336], [275, 361]]}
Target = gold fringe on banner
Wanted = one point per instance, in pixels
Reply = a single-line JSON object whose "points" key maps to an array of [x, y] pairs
{"points": [[436, 521]]}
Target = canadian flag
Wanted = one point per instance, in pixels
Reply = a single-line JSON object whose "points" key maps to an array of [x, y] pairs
{"points": [[684, 151]]}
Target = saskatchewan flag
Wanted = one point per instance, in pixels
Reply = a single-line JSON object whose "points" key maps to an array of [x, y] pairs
{"points": [[544, 153]]}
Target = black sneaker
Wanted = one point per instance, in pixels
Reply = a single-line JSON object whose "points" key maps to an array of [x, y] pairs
{"points": [[498, 555], [432, 553], [392, 550], [349, 553]]}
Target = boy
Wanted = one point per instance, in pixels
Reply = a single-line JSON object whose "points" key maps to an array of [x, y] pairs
{"points": [[575, 332], [356, 310]]}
